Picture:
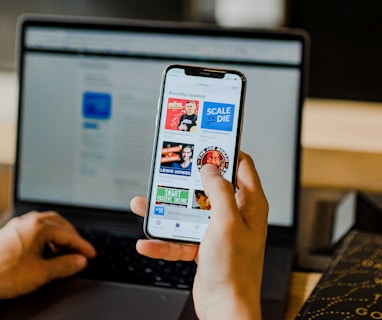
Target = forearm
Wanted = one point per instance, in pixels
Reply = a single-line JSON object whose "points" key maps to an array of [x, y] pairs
{"points": [[239, 306], [234, 309]]}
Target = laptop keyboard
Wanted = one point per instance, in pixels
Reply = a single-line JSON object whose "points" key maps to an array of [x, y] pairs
{"points": [[117, 260]]}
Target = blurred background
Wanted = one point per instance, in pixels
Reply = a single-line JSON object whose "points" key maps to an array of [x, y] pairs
{"points": [[346, 42]]}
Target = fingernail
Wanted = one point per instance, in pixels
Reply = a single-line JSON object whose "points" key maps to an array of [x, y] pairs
{"points": [[210, 169]]}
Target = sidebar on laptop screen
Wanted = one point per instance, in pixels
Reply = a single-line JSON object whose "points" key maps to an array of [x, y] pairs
{"points": [[88, 107]]}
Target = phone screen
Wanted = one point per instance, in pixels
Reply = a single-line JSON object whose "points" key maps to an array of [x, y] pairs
{"points": [[199, 121]]}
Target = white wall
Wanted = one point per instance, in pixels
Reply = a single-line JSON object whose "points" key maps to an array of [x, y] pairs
{"points": [[250, 13]]}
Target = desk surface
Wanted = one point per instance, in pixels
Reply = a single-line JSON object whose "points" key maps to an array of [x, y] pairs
{"points": [[301, 285]]}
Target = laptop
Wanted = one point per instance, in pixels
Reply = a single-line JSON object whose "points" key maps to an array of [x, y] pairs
{"points": [[88, 165]]}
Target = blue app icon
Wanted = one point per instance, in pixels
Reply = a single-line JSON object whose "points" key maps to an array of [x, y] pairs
{"points": [[96, 105], [159, 210], [218, 116]]}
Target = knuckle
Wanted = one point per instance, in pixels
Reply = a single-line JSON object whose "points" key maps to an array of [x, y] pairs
{"points": [[37, 222]]}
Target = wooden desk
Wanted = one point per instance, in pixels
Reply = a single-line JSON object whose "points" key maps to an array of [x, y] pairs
{"points": [[301, 285]]}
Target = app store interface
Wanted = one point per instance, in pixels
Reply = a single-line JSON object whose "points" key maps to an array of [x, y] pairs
{"points": [[198, 125], [93, 128]]}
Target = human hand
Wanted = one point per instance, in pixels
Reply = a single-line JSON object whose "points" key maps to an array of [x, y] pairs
{"points": [[22, 242], [230, 257]]}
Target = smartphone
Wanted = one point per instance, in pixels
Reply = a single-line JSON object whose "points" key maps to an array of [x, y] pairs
{"points": [[199, 121]]}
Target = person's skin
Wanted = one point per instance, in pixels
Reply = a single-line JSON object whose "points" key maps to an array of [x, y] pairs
{"points": [[213, 157], [22, 242], [190, 108], [230, 257], [186, 157]]}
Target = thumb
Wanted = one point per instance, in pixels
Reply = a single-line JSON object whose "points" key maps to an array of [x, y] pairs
{"points": [[65, 265], [219, 191]]}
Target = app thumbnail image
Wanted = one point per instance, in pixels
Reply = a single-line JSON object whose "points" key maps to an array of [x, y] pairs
{"points": [[176, 158], [159, 211], [200, 201], [182, 114], [218, 116], [96, 105], [172, 196], [214, 155]]}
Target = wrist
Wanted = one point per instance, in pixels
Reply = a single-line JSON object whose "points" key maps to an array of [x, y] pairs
{"points": [[236, 306]]}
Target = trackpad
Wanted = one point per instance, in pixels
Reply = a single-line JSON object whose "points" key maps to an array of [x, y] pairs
{"points": [[88, 299]]}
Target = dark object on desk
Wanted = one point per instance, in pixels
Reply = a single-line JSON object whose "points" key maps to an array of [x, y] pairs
{"points": [[351, 287], [332, 214], [369, 212], [356, 210]]}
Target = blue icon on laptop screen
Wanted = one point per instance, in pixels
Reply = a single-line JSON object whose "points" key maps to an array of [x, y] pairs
{"points": [[96, 105]]}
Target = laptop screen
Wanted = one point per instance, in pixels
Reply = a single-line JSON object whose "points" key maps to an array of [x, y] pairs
{"points": [[88, 100]]}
